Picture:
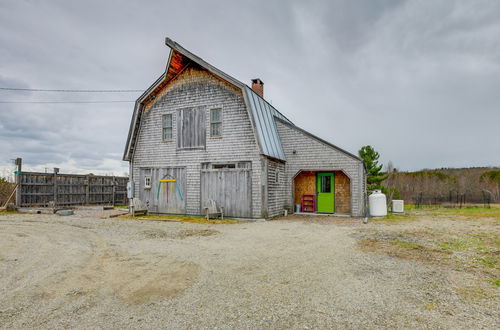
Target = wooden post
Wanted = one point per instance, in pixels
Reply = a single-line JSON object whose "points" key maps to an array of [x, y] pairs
{"points": [[56, 170], [18, 163], [264, 188], [87, 190], [114, 190]]}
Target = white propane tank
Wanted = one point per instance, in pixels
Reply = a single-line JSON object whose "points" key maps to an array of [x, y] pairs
{"points": [[378, 204]]}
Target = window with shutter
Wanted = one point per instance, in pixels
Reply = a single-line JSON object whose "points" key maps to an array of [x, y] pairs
{"points": [[191, 128]]}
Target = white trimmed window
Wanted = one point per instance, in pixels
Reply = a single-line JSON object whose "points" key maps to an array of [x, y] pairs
{"points": [[277, 178], [147, 182], [167, 127], [215, 122]]}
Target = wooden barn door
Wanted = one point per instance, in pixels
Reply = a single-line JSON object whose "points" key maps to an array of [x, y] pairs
{"points": [[164, 196], [230, 188]]}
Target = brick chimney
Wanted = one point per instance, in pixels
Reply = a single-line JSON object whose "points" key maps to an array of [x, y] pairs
{"points": [[258, 87]]}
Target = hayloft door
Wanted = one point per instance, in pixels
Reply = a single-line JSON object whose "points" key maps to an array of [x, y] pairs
{"points": [[325, 193]]}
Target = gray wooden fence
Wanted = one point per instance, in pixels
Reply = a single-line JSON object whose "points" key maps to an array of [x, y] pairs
{"points": [[54, 189]]}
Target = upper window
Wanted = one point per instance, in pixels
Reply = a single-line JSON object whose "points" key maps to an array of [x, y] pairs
{"points": [[167, 127], [277, 176], [215, 122]]}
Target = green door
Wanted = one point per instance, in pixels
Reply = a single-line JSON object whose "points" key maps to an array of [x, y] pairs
{"points": [[325, 189]]}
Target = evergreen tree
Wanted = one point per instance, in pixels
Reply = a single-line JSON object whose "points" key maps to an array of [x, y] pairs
{"points": [[375, 175]]}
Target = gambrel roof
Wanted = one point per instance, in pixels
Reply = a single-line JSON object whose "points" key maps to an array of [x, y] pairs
{"points": [[261, 113]]}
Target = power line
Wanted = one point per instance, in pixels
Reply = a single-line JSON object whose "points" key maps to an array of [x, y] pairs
{"points": [[69, 102], [73, 90]]}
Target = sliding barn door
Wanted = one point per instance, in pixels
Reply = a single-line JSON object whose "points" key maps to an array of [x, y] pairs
{"points": [[230, 188], [166, 192]]}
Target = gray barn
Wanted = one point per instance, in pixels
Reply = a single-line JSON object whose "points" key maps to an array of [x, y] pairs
{"points": [[198, 134]]}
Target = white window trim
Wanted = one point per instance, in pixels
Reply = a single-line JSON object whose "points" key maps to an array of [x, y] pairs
{"points": [[147, 182], [221, 122], [171, 127]]}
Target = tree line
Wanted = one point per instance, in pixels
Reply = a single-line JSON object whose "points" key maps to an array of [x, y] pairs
{"points": [[429, 186]]}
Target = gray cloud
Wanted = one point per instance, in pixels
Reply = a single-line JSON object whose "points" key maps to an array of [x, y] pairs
{"points": [[419, 80]]}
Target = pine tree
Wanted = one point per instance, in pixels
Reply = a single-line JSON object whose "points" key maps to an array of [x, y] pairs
{"points": [[375, 175]]}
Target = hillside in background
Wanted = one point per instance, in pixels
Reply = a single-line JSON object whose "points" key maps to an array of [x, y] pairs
{"points": [[445, 185]]}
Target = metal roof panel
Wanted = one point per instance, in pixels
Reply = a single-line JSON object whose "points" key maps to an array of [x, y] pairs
{"points": [[267, 132]]}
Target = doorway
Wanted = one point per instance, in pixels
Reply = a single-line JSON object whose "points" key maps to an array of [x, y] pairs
{"points": [[325, 183]]}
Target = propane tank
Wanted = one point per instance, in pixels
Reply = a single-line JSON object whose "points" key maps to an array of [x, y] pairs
{"points": [[378, 204]]}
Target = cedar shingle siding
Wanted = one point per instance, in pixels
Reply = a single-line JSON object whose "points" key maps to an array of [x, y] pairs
{"points": [[198, 88], [242, 155], [312, 154]]}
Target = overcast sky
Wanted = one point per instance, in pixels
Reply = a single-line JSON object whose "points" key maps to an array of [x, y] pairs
{"points": [[418, 80]]}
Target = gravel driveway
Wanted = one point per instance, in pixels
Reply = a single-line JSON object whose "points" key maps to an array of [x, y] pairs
{"points": [[84, 272]]}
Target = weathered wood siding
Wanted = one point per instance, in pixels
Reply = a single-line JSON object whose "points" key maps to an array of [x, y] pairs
{"points": [[191, 128], [305, 184], [170, 198], [342, 193], [312, 154], [230, 188], [197, 88], [44, 189], [276, 191]]}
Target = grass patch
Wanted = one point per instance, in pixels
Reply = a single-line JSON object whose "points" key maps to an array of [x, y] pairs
{"points": [[392, 218], [474, 293], [430, 306], [488, 261], [181, 218], [466, 244], [121, 206], [5, 212], [406, 244], [462, 244], [495, 282], [471, 211]]}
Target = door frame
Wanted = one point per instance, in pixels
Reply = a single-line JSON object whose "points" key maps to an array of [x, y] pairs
{"points": [[332, 187]]}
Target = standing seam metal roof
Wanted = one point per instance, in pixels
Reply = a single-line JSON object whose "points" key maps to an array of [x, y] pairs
{"points": [[265, 126]]}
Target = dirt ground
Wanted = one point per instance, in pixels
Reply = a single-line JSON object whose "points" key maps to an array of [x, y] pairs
{"points": [[88, 271]]}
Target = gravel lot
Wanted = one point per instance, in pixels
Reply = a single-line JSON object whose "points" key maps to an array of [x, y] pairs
{"points": [[83, 271]]}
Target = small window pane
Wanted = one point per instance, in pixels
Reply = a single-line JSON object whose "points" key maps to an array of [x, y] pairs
{"points": [[326, 184], [167, 127], [167, 134], [221, 166], [215, 115], [215, 129], [167, 121]]}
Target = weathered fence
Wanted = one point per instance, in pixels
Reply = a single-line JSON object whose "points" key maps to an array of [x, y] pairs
{"points": [[54, 189]]}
